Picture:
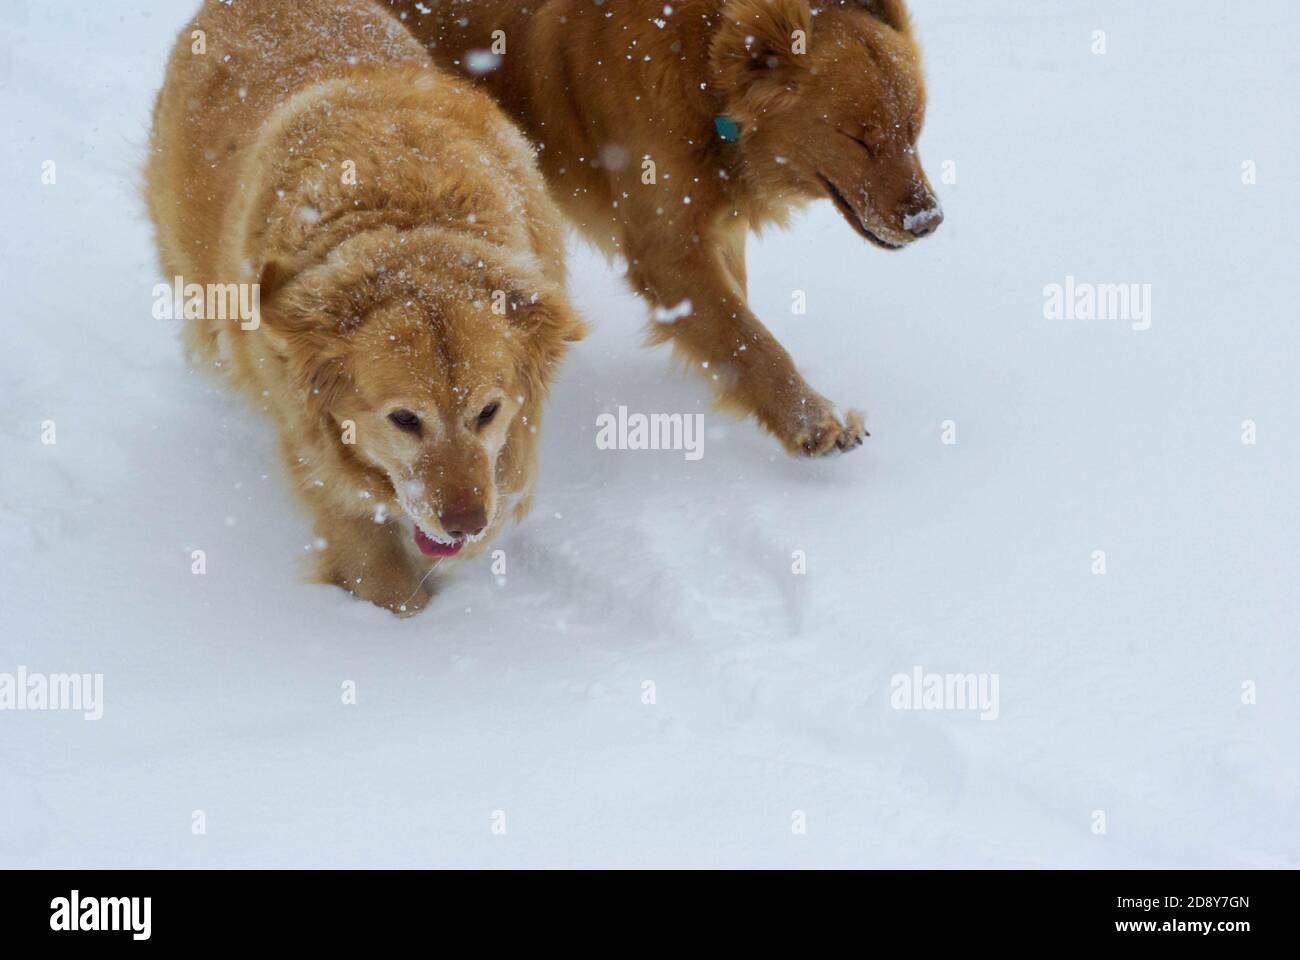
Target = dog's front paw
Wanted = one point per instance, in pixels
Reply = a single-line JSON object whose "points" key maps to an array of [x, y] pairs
{"points": [[823, 433], [400, 602], [394, 585]]}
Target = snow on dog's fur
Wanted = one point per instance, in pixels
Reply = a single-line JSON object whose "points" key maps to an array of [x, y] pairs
{"points": [[746, 108], [410, 271]]}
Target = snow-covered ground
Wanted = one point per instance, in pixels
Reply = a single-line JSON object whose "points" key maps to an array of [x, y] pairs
{"points": [[1119, 693]]}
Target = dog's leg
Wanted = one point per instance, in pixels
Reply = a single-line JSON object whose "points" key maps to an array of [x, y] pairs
{"points": [[722, 338], [369, 561]]}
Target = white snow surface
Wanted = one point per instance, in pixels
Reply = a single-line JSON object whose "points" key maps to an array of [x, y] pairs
{"points": [[1120, 693]]}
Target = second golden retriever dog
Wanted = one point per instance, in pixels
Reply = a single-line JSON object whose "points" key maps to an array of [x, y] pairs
{"points": [[669, 131], [412, 304]]}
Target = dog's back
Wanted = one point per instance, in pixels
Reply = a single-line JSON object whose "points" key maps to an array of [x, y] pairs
{"points": [[231, 69], [256, 93]]}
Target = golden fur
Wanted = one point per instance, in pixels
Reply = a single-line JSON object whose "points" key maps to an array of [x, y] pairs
{"points": [[410, 265], [602, 87]]}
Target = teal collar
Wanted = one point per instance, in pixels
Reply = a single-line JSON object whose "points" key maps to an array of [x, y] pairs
{"points": [[727, 129]]}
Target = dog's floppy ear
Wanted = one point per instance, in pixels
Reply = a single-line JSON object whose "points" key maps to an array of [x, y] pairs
{"points": [[544, 312], [322, 300], [297, 324], [272, 278], [892, 13], [548, 325], [759, 46]]}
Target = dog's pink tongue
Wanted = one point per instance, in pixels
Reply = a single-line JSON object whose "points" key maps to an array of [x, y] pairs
{"points": [[432, 548]]}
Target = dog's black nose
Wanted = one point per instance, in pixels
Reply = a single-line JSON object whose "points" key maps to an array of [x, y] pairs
{"points": [[925, 220], [463, 520]]}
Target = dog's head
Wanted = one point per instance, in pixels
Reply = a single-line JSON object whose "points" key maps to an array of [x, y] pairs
{"points": [[829, 100], [428, 360]]}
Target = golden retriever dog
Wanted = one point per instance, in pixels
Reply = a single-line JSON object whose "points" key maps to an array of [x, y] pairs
{"points": [[409, 263], [668, 132]]}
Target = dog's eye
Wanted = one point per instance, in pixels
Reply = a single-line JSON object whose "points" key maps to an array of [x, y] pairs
{"points": [[866, 141], [405, 420], [489, 414]]}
